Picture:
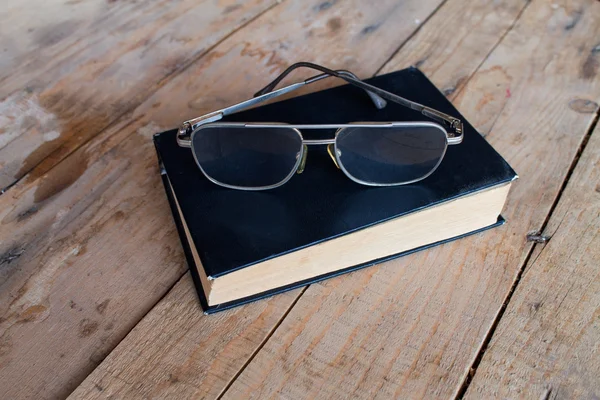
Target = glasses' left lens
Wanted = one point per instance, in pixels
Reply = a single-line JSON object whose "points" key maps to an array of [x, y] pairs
{"points": [[247, 157], [391, 155]]}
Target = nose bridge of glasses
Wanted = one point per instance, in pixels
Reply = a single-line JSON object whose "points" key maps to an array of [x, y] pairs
{"points": [[331, 151], [314, 142], [302, 163], [305, 143]]}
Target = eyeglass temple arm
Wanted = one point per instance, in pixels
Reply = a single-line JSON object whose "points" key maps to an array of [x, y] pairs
{"points": [[449, 121], [268, 92], [186, 128], [378, 101], [265, 94], [374, 92]]}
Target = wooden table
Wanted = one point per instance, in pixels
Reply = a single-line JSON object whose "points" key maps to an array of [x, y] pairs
{"points": [[96, 300]]}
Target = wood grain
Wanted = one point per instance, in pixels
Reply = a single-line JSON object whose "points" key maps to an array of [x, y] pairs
{"points": [[89, 247], [201, 357], [120, 363], [412, 327], [456, 40], [546, 343], [71, 68]]}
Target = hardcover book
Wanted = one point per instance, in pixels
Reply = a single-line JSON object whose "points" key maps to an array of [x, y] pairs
{"points": [[246, 245]]}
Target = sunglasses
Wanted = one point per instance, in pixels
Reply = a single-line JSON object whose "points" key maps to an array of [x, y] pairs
{"points": [[265, 155]]}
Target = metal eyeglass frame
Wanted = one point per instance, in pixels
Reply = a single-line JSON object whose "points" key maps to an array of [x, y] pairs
{"points": [[453, 130]]}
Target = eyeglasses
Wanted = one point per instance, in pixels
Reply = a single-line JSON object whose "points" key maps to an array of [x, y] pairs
{"points": [[260, 156]]}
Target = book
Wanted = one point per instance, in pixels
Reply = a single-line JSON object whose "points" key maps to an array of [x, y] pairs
{"points": [[242, 246]]}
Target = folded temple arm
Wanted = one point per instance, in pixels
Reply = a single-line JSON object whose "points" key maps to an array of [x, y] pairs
{"points": [[268, 92], [377, 100], [376, 94]]}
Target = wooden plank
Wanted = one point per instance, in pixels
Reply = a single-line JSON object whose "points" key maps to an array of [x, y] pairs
{"points": [[71, 68], [120, 373], [217, 343], [89, 247], [546, 344], [37, 29], [455, 42], [412, 327]]}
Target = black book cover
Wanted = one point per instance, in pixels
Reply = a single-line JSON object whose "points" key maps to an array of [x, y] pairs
{"points": [[233, 229]]}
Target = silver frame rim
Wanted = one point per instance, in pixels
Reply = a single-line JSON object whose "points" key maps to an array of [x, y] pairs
{"points": [[374, 92], [296, 127], [359, 181], [256, 188]]}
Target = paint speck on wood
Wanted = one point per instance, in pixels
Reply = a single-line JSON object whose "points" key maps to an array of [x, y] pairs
{"points": [[583, 106], [101, 308], [87, 327], [334, 24]]}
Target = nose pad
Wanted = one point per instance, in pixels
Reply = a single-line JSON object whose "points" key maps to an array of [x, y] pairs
{"points": [[303, 160], [331, 151]]}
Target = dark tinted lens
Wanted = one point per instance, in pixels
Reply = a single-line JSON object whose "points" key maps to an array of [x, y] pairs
{"points": [[247, 157], [391, 155]]}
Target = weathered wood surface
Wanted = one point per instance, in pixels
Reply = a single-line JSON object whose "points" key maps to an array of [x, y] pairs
{"points": [[69, 69], [457, 39], [121, 374], [90, 246], [52, 332], [412, 327], [546, 345], [205, 352]]}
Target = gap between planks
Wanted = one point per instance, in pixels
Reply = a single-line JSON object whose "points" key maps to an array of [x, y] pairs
{"points": [[160, 82], [472, 370], [409, 38], [510, 28], [262, 344], [468, 377]]}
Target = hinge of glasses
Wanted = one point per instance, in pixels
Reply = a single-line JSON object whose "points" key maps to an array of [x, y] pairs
{"points": [[185, 130], [454, 123], [456, 137], [457, 125], [183, 135]]}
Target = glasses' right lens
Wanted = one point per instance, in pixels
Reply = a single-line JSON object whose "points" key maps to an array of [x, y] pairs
{"points": [[391, 155], [247, 157]]}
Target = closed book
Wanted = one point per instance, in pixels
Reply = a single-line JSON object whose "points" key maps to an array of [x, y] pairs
{"points": [[245, 245]]}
